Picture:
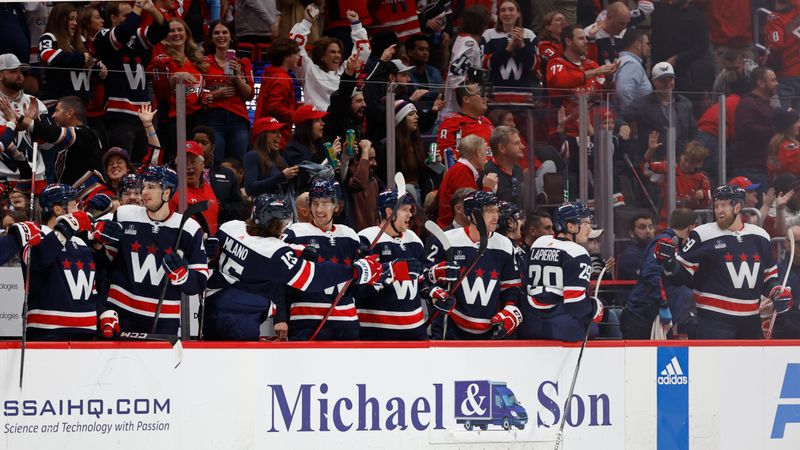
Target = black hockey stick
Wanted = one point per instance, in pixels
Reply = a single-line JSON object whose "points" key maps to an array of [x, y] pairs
{"points": [[191, 210], [641, 184], [400, 185], [560, 435], [201, 219], [28, 272], [173, 340]]}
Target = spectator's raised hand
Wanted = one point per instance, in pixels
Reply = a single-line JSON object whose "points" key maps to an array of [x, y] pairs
{"points": [[562, 118], [352, 16], [652, 144], [625, 132], [768, 198], [418, 94], [32, 110], [6, 110], [103, 70], [490, 181], [337, 146], [146, 115], [388, 53], [435, 25], [352, 65], [438, 105], [784, 198]]}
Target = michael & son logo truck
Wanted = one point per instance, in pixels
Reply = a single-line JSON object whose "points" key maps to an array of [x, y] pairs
{"points": [[483, 403]]}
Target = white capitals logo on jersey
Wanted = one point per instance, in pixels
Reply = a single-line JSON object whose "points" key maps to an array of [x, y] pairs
{"points": [[405, 290], [745, 272], [478, 290], [82, 286], [142, 270], [334, 290], [80, 80], [672, 373]]}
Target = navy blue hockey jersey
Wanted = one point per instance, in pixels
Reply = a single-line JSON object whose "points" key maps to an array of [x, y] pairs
{"points": [[65, 72], [730, 270], [339, 246], [393, 311], [492, 284], [137, 273], [509, 72], [559, 271]]}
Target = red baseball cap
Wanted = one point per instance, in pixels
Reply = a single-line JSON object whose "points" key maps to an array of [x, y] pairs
{"points": [[744, 183], [307, 112], [194, 148], [266, 124]]}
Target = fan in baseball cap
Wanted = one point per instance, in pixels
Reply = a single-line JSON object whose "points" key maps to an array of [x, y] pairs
{"points": [[9, 61], [194, 148], [744, 183], [307, 112], [663, 69], [265, 124]]}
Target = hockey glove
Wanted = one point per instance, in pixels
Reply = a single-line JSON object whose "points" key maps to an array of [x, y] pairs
{"points": [[597, 309], [98, 205], [781, 298], [665, 251], [27, 233], [443, 272], [401, 270], [368, 270], [307, 252], [107, 232], [212, 247], [664, 315], [441, 299], [506, 321], [69, 225], [177, 268], [109, 324]]}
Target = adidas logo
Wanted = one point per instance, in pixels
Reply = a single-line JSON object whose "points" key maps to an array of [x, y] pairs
{"points": [[672, 373]]}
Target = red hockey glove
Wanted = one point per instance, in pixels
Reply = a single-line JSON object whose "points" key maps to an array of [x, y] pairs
{"points": [[441, 299], [665, 251], [781, 298], [597, 309], [443, 272], [107, 232], [109, 324], [27, 233], [368, 270], [506, 321], [70, 224], [177, 268]]}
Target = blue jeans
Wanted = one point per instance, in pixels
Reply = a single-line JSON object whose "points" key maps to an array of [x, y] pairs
{"points": [[231, 134]]}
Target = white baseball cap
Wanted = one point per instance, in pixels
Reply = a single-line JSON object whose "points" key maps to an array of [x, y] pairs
{"points": [[9, 61], [595, 233], [400, 66], [663, 69]]}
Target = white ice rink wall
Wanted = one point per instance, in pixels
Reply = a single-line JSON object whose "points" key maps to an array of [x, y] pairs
{"points": [[681, 395]]}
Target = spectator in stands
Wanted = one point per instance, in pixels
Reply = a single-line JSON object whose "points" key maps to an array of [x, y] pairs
{"points": [[692, 187], [182, 61], [409, 154], [786, 213], [604, 36], [305, 144], [651, 297], [362, 186], [679, 33], [301, 205], [336, 23], [19, 200], [424, 75], [198, 189], [641, 232], [751, 147], [784, 147], [15, 30], [730, 27], [230, 81], [460, 219], [472, 102], [256, 21], [783, 45], [276, 97], [65, 58], [572, 73], [506, 151], [265, 170], [346, 111], [90, 22], [322, 69], [126, 84], [464, 173], [630, 80], [466, 54], [653, 112], [751, 198], [399, 16], [116, 164], [510, 55], [223, 181], [549, 46], [734, 72], [538, 223]]}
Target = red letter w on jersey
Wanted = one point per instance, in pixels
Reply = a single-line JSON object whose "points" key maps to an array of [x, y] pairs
{"points": [[745, 272], [149, 267], [478, 290], [80, 288]]}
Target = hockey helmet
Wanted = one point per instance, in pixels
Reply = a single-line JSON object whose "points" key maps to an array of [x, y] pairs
{"points": [[269, 206], [573, 212], [162, 175], [130, 182], [388, 199], [475, 201], [734, 194], [324, 189], [508, 211], [56, 194]]}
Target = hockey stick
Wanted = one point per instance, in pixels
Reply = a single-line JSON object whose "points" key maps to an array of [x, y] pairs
{"points": [[28, 272], [641, 184], [201, 219], [191, 210], [774, 316], [173, 340], [400, 184], [568, 403]]}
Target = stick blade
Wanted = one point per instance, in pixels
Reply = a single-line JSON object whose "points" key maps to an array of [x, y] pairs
{"points": [[400, 184], [434, 229]]}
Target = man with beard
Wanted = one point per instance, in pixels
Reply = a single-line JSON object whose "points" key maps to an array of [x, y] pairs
{"points": [[641, 232], [362, 186], [26, 108], [346, 111], [751, 148], [730, 266], [197, 187]]}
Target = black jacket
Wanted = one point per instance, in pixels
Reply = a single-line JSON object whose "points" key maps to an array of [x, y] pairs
{"points": [[648, 115], [226, 189]]}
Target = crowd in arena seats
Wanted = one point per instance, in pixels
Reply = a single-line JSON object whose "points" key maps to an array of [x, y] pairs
{"points": [[279, 93]]}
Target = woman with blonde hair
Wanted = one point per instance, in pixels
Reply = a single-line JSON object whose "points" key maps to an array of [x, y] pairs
{"points": [[182, 60]]}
